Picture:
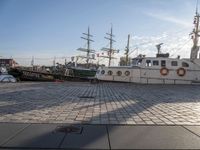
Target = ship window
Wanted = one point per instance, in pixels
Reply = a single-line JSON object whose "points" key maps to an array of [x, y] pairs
{"points": [[163, 63], [119, 73], [127, 73], [148, 63], [155, 62], [139, 62], [184, 64], [136, 62], [110, 72], [174, 63], [103, 71]]}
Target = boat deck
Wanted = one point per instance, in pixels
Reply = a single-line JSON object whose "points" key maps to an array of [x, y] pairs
{"points": [[102, 103]]}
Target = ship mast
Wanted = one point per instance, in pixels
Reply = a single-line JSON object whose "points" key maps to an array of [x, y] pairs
{"points": [[195, 36], [87, 50], [127, 51], [110, 51]]}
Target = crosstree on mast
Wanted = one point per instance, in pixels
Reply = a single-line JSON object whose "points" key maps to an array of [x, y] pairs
{"points": [[110, 51], [90, 53]]}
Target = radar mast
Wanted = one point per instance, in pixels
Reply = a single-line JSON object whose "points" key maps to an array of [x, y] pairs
{"points": [[195, 36]]}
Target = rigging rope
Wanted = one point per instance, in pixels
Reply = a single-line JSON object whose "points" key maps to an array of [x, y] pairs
{"points": [[180, 48]]}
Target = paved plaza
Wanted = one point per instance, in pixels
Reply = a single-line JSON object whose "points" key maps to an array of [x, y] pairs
{"points": [[102, 103]]}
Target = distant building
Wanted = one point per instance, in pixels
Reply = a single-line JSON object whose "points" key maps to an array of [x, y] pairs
{"points": [[8, 63]]}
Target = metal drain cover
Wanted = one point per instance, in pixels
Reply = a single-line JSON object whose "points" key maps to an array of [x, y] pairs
{"points": [[86, 97], [69, 129]]}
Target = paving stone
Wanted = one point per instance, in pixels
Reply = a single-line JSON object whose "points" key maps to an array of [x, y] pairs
{"points": [[8, 130], [37, 136], [152, 137], [92, 137], [194, 129], [177, 104]]}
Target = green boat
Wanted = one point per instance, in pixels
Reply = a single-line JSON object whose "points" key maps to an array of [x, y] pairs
{"points": [[76, 72], [80, 73]]}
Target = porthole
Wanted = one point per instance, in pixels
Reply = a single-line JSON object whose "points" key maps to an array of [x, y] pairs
{"points": [[103, 72], [119, 73], [127, 73], [110, 72]]}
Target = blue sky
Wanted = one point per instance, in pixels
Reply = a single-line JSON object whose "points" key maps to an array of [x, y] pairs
{"points": [[48, 28]]}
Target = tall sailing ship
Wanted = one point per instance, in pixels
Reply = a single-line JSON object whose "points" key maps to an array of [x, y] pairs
{"points": [[85, 72], [160, 69]]}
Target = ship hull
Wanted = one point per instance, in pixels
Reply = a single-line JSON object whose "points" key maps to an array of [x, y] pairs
{"points": [[148, 75], [27, 75], [79, 74]]}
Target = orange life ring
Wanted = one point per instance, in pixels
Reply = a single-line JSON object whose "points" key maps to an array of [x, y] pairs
{"points": [[181, 72], [164, 71]]}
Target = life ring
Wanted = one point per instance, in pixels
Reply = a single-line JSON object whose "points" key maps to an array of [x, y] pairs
{"points": [[181, 72], [164, 71]]}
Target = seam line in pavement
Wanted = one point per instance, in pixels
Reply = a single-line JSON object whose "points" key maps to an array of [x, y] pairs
{"points": [[61, 142], [108, 137], [191, 131], [12, 136]]}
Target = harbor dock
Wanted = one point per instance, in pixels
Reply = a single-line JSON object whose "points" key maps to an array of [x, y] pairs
{"points": [[108, 116]]}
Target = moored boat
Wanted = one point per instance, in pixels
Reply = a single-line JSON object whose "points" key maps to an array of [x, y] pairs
{"points": [[29, 75], [79, 73], [86, 72], [160, 69]]}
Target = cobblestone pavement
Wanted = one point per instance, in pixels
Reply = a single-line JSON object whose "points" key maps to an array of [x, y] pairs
{"points": [[103, 103]]}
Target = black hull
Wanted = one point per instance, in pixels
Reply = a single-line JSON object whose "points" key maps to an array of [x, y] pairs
{"points": [[35, 79], [27, 75]]}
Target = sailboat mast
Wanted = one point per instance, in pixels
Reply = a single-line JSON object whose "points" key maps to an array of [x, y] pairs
{"points": [[87, 49], [110, 51], [111, 43], [88, 46], [195, 36], [127, 50]]}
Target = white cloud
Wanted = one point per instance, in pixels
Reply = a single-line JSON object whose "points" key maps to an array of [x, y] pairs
{"points": [[175, 45], [169, 18]]}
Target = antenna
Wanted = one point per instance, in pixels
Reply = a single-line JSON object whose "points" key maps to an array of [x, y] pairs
{"points": [[197, 6], [87, 50], [32, 61], [54, 62], [158, 46], [110, 51], [195, 36]]}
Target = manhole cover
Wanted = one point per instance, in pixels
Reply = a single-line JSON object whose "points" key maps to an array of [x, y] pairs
{"points": [[86, 97], [69, 129]]}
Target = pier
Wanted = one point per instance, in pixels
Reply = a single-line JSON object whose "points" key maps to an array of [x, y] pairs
{"points": [[107, 115], [103, 103]]}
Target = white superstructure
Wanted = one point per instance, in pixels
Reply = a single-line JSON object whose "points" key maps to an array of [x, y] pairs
{"points": [[150, 70]]}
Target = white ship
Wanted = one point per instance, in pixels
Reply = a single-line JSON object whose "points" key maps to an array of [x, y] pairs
{"points": [[160, 69]]}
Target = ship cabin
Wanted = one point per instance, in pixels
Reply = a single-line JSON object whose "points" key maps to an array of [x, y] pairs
{"points": [[153, 70]]}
